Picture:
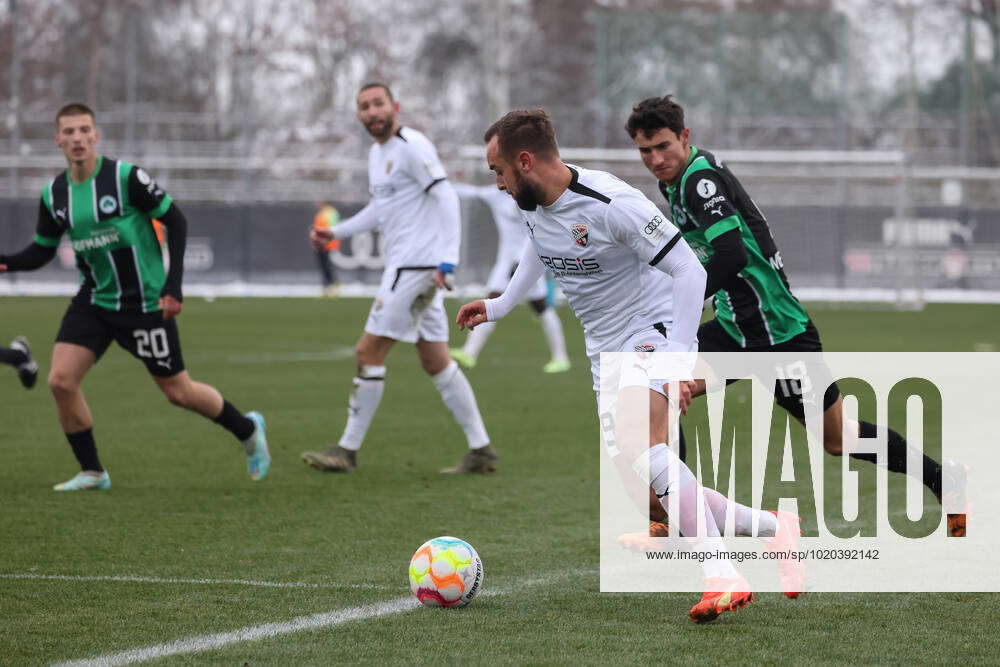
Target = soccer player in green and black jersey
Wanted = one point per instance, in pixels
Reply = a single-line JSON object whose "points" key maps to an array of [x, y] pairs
{"points": [[105, 207], [755, 310]]}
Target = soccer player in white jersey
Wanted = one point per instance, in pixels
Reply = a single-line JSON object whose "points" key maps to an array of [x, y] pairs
{"points": [[634, 284], [512, 238], [418, 212]]}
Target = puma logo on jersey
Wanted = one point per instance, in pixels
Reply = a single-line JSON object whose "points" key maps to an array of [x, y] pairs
{"points": [[717, 211], [61, 213], [164, 363]]}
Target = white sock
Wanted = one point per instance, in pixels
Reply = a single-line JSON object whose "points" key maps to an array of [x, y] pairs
{"points": [[767, 523], [457, 394], [361, 407], [477, 338], [668, 475], [552, 326]]}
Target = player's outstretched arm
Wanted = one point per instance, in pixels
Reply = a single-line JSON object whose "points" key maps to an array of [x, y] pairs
{"points": [[171, 296], [471, 315], [449, 217], [320, 238], [40, 251], [529, 270], [362, 221], [729, 258], [33, 256]]}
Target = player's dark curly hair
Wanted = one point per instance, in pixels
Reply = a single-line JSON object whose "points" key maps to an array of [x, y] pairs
{"points": [[75, 109], [654, 114], [524, 130]]}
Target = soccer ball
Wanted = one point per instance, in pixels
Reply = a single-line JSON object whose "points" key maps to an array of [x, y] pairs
{"points": [[446, 572]]}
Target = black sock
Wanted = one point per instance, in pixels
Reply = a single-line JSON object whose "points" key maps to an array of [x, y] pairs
{"points": [[85, 450], [12, 357], [896, 454], [233, 421]]}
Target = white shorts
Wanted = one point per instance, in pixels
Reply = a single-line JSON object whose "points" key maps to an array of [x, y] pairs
{"points": [[409, 306], [644, 342], [628, 371]]}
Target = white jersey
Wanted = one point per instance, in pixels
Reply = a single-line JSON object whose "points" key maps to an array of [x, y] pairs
{"points": [[512, 235], [401, 172], [601, 239]]}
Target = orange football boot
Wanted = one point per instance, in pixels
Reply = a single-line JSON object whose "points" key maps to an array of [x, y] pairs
{"points": [[641, 541], [721, 595]]}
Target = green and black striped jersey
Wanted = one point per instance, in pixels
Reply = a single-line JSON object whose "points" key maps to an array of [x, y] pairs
{"points": [[108, 220], [756, 307]]}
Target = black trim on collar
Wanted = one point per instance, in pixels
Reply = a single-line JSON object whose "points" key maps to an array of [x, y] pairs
{"points": [[665, 249], [399, 133], [581, 189], [433, 183]]}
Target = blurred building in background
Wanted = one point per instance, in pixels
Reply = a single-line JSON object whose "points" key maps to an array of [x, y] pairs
{"points": [[865, 129]]}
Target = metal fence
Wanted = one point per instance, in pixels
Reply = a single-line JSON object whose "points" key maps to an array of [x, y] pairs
{"points": [[843, 220]]}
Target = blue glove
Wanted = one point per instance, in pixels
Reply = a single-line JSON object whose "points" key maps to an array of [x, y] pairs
{"points": [[446, 268]]}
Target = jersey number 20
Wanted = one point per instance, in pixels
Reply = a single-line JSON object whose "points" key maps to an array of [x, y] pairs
{"points": [[152, 344]]}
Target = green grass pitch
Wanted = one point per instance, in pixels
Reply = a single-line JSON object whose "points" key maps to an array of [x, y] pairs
{"points": [[184, 514]]}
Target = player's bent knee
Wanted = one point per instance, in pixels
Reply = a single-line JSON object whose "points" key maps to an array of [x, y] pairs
{"points": [[366, 355], [434, 363], [61, 384], [363, 357], [832, 444]]}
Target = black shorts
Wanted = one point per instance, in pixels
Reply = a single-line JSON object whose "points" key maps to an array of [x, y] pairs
{"points": [[147, 336], [787, 393]]}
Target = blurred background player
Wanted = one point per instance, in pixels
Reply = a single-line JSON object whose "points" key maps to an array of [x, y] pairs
{"points": [[106, 206], [18, 355], [512, 239], [326, 217], [755, 310], [418, 212]]}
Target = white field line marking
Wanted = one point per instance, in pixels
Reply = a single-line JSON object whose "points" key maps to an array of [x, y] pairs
{"points": [[250, 633], [166, 580], [201, 643]]}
